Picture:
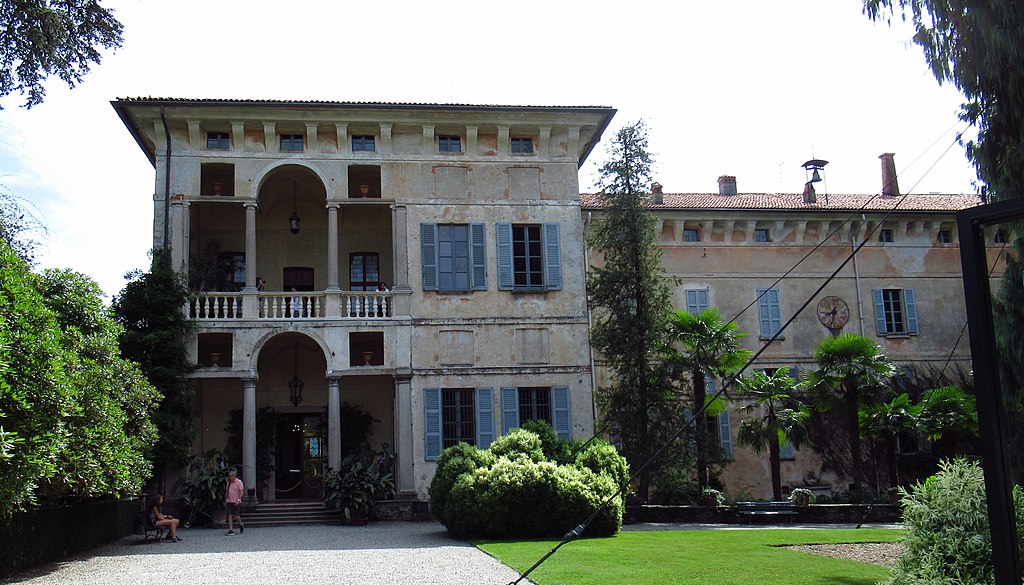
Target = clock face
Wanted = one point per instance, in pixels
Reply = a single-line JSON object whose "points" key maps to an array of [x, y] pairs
{"points": [[833, 312]]}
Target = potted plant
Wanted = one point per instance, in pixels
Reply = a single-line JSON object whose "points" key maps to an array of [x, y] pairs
{"points": [[800, 497], [711, 498], [355, 487]]}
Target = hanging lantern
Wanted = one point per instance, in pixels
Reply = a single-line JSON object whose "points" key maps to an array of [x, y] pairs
{"points": [[295, 385]]}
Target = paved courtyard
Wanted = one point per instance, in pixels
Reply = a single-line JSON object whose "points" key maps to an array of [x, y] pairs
{"points": [[381, 552]]}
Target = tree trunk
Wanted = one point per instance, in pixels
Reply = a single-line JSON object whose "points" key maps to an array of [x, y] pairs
{"points": [[773, 458], [894, 474], [700, 429], [853, 430]]}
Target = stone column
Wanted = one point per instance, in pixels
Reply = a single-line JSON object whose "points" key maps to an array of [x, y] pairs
{"points": [[334, 422], [179, 255], [403, 431], [249, 433], [250, 245], [332, 246], [400, 249]]}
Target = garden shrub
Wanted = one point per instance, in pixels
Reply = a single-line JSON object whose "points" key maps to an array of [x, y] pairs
{"points": [[511, 491], [518, 442], [675, 487], [948, 537]]}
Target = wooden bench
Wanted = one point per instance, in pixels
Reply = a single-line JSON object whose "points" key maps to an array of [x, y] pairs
{"points": [[765, 511], [149, 529]]}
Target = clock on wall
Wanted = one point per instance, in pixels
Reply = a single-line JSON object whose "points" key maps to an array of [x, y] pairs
{"points": [[833, 313]]}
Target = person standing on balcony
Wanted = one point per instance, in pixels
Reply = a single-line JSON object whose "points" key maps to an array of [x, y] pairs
{"points": [[296, 302], [261, 283], [382, 287], [233, 502]]}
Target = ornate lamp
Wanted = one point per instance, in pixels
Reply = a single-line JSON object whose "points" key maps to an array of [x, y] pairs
{"points": [[294, 220], [295, 385]]}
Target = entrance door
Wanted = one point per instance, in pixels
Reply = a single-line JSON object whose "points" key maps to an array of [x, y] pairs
{"points": [[300, 456]]}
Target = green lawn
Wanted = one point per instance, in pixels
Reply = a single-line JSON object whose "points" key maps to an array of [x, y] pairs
{"points": [[718, 557]]}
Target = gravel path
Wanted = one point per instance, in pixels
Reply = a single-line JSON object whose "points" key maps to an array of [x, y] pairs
{"points": [[381, 552], [877, 553]]}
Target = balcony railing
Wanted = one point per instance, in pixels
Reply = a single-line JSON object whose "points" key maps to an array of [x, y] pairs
{"points": [[218, 306]]}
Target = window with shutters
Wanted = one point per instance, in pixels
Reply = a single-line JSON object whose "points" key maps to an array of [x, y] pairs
{"points": [[786, 451], [534, 404], [895, 311], [696, 300], [456, 415], [453, 257], [529, 257], [769, 312], [550, 404]]}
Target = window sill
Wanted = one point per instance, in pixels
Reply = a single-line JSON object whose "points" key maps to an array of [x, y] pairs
{"points": [[896, 335], [528, 291], [769, 338]]}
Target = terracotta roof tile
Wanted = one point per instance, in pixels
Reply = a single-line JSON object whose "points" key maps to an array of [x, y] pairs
{"points": [[795, 202], [209, 101]]}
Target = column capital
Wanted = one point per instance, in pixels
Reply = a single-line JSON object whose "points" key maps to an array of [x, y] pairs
{"points": [[403, 375], [251, 204], [333, 205], [250, 380]]}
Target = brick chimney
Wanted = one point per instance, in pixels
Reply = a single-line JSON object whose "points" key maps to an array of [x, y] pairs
{"points": [[726, 185], [657, 197], [889, 185]]}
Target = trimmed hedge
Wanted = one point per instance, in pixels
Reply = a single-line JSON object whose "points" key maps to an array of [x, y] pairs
{"points": [[49, 534], [512, 491]]}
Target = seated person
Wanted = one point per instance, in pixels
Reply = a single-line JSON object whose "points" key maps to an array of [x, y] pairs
{"points": [[159, 519]]}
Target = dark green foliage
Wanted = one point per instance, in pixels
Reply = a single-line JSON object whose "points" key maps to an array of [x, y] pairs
{"points": [[948, 538], [41, 536], [675, 487], [19, 226], [1008, 317], [356, 486], [356, 427], [479, 493], [630, 299], [207, 482], [73, 414], [40, 38], [851, 370], [150, 310], [975, 45]]}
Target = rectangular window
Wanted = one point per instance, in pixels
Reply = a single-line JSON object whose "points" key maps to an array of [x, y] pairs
{"points": [[945, 237], [725, 433], [449, 143], [232, 266], [458, 423], [696, 300], [769, 311], [521, 145], [534, 404], [1001, 237], [761, 235], [363, 143], [453, 256], [548, 404], [292, 142], [885, 236], [363, 271], [786, 452], [895, 311], [529, 256], [691, 235], [218, 141]]}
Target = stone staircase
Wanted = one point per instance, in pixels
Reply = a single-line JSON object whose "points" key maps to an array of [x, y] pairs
{"points": [[291, 513]]}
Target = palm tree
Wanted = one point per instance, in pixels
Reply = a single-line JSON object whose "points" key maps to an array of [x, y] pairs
{"points": [[702, 346], [885, 421], [779, 417], [850, 368]]}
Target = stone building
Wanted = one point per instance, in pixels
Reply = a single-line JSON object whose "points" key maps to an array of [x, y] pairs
{"points": [[288, 217], [759, 256]]}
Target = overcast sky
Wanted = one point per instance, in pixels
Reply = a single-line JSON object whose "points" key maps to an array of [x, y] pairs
{"points": [[738, 87]]}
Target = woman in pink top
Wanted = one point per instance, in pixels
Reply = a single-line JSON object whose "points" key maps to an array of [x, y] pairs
{"points": [[233, 502]]}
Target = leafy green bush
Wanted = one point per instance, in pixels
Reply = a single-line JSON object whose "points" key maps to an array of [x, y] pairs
{"points": [[711, 497], [675, 487], [511, 491], [356, 486], [948, 538], [518, 442]]}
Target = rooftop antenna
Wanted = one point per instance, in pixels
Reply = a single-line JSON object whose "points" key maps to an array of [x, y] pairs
{"points": [[813, 172]]}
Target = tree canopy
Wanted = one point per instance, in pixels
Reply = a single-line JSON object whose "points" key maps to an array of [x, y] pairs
{"points": [[630, 298], [40, 38], [74, 415]]}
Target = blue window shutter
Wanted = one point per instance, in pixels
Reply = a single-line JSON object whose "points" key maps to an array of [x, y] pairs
{"points": [[876, 299], [484, 417], [725, 432], [552, 257], [509, 409], [691, 301], [506, 279], [702, 300], [432, 423], [774, 310], [794, 372], [560, 411], [910, 302], [764, 312], [478, 256], [428, 253]]}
